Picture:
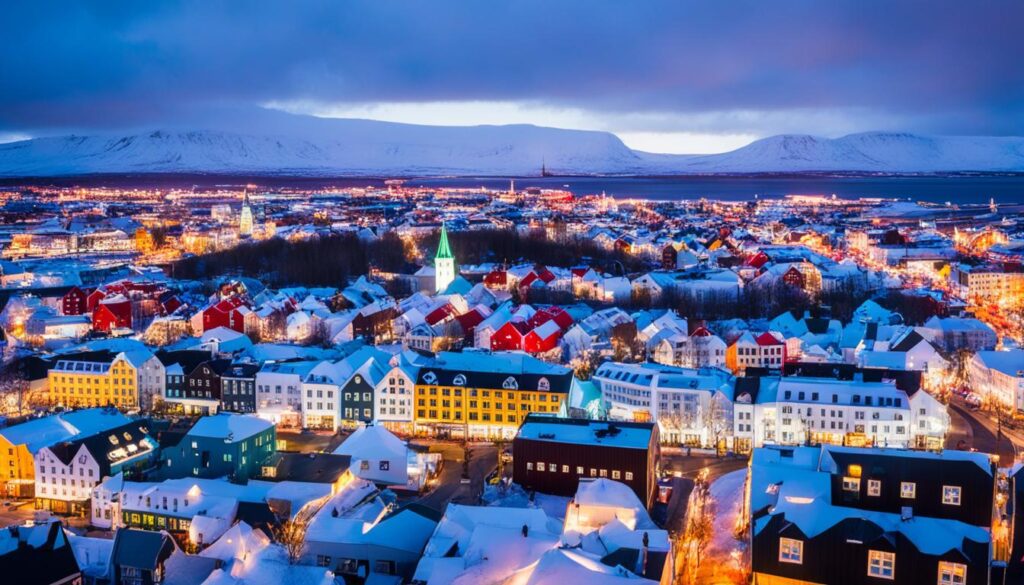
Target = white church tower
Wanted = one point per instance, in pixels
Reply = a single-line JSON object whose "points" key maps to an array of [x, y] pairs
{"points": [[444, 263], [245, 218]]}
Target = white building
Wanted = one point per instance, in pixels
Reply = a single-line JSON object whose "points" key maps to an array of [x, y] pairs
{"points": [[691, 406], [795, 410], [998, 377], [394, 405]]}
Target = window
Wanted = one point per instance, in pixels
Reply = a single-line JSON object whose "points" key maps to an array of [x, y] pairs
{"points": [[540, 466], [874, 487], [791, 551], [952, 573], [529, 466], [908, 490], [951, 495], [384, 465], [323, 560], [616, 474], [851, 484], [881, 564], [629, 476]]}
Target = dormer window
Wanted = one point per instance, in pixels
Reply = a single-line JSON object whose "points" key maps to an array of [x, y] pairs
{"points": [[908, 490], [951, 495]]}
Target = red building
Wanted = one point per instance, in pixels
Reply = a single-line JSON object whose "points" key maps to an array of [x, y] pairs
{"points": [[510, 336], [794, 277], [75, 301], [542, 338], [496, 279], [113, 313], [230, 312], [557, 314]]}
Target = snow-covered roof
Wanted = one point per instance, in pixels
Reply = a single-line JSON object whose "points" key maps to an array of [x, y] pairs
{"points": [[43, 432], [373, 442], [237, 427], [586, 432]]}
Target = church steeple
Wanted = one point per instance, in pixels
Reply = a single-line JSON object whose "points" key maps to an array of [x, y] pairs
{"points": [[443, 249], [444, 263]]}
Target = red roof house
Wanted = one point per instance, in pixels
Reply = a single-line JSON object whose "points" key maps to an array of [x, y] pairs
{"points": [[112, 313], [510, 336]]}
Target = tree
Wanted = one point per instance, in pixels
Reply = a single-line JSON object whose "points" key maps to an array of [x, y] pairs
{"points": [[292, 536]]}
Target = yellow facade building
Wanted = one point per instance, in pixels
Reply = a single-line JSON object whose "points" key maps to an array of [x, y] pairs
{"points": [[485, 395], [94, 379]]}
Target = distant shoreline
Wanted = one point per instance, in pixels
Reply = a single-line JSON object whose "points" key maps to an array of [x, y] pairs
{"points": [[960, 188]]}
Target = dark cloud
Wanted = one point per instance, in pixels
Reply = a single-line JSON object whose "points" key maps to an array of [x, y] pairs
{"points": [[940, 66]]}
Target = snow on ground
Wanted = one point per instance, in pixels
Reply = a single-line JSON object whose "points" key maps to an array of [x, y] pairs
{"points": [[728, 494]]}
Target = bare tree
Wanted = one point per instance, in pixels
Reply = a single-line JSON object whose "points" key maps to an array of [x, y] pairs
{"points": [[292, 536]]}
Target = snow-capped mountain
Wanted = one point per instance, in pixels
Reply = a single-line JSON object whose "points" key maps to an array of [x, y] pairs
{"points": [[868, 152], [301, 145], [342, 147]]}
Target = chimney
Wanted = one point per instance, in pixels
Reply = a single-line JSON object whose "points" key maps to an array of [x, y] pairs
{"points": [[642, 561], [526, 530]]}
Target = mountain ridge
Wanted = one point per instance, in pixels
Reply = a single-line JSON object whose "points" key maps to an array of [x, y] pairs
{"points": [[320, 147]]}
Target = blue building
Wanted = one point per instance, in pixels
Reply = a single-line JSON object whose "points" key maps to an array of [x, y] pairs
{"points": [[223, 445]]}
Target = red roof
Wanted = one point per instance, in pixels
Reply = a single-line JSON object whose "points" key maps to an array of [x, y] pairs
{"points": [[439, 314], [701, 332], [469, 320], [496, 278], [767, 338], [558, 314], [757, 260], [580, 271]]}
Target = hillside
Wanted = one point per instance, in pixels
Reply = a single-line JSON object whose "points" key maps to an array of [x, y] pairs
{"points": [[285, 144]]}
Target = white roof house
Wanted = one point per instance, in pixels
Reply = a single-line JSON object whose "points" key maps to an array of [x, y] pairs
{"points": [[377, 455]]}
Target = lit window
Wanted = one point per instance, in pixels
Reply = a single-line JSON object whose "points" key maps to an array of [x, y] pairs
{"points": [[629, 476], [908, 490], [851, 484], [540, 466], [874, 487], [791, 551], [952, 573], [529, 466], [881, 564], [951, 495]]}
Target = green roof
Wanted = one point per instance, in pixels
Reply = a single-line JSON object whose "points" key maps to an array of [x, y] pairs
{"points": [[443, 249]]}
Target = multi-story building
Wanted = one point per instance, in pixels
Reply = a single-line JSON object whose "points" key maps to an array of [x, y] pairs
{"points": [[19, 443], [850, 516], [393, 407], [279, 391], [238, 388], [96, 378], [766, 350], [987, 283], [691, 406], [998, 377], [225, 444], [67, 472], [553, 455], [482, 394], [795, 410]]}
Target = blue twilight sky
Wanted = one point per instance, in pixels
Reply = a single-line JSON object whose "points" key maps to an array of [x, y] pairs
{"points": [[666, 76]]}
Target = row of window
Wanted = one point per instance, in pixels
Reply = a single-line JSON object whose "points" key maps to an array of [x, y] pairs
{"points": [[881, 564], [908, 490], [594, 472]]}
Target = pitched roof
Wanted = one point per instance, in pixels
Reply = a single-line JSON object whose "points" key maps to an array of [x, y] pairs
{"points": [[444, 251]]}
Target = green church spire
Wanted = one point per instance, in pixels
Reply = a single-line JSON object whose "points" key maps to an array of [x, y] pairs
{"points": [[443, 249]]}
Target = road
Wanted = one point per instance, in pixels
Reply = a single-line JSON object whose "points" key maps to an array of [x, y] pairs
{"points": [[983, 434], [483, 461]]}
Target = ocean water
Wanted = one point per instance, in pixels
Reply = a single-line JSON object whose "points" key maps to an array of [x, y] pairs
{"points": [[938, 189]]}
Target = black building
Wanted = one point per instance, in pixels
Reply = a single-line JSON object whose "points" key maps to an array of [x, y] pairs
{"points": [[38, 555], [176, 365], [850, 516], [551, 454], [357, 400], [238, 388]]}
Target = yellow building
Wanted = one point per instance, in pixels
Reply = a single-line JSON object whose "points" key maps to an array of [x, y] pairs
{"points": [[94, 379], [19, 443], [485, 395]]}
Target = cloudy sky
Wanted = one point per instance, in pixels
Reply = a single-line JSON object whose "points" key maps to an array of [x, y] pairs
{"points": [[666, 76]]}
